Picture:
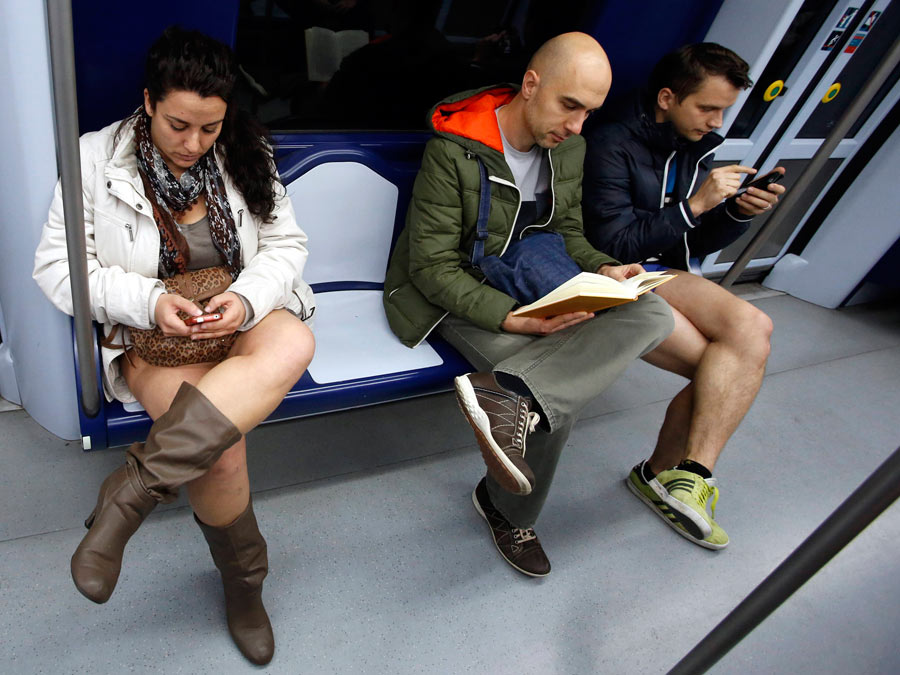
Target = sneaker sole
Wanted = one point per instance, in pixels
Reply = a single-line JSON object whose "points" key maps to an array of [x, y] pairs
{"points": [[698, 527], [684, 533], [499, 465], [505, 559]]}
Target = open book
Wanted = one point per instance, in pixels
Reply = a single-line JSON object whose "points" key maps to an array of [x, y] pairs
{"points": [[325, 50], [589, 292]]}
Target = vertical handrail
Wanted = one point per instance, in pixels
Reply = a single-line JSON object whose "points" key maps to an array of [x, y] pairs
{"points": [[867, 502], [65, 113], [786, 210]]}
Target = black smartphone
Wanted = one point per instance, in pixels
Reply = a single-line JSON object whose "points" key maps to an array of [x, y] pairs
{"points": [[763, 182]]}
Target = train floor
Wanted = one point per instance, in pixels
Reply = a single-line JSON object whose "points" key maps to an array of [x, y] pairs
{"points": [[379, 563]]}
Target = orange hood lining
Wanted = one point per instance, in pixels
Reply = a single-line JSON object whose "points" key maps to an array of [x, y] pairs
{"points": [[474, 117]]}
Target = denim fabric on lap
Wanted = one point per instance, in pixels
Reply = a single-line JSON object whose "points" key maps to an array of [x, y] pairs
{"points": [[656, 267], [531, 267]]}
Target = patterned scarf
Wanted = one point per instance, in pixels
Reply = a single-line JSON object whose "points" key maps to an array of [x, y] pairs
{"points": [[171, 197]]}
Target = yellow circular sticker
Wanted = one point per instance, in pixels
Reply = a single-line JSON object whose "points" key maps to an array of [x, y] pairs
{"points": [[832, 92], [773, 90]]}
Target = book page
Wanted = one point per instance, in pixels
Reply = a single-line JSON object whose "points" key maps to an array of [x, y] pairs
{"points": [[325, 50], [323, 55], [583, 290], [641, 283], [587, 283], [351, 40], [589, 292], [595, 281]]}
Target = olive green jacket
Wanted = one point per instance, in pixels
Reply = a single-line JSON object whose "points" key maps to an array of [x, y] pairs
{"points": [[430, 273]]}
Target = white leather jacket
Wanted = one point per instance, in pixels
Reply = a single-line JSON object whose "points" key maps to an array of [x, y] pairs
{"points": [[123, 249]]}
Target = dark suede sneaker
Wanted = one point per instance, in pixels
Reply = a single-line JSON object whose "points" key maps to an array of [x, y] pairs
{"points": [[501, 419], [519, 547]]}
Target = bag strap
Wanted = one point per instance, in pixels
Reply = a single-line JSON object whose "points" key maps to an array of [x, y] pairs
{"points": [[109, 344], [484, 210], [108, 340]]}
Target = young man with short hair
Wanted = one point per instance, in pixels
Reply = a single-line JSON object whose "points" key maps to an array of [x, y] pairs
{"points": [[651, 197], [519, 147]]}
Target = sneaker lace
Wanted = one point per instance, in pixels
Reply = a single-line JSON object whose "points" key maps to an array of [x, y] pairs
{"points": [[525, 421], [520, 536], [702, 491], [715, 493]]}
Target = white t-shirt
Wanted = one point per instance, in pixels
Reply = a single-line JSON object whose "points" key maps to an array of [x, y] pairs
{"points": [[531, 171]]}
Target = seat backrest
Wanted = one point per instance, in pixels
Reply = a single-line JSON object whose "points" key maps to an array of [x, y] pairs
{"points": [[347, 210]]}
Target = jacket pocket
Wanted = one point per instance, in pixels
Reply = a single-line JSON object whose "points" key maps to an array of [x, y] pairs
{"points": [[114, 239]]}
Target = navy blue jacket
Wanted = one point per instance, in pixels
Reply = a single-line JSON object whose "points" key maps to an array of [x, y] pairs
{"points": [[625, 171]]}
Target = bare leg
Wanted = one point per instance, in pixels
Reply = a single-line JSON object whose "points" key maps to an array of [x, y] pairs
{"points": [[222, 494], [679, 353], [268, 358], [673, 435], [721, 342], [263, 365]]}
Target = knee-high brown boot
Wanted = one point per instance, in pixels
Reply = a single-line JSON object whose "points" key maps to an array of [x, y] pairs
{"points": [[182, 445], [239, 552]]}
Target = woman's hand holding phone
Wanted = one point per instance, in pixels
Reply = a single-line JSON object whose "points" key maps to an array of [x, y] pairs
{"points": [[169, 309], [231, 309]]}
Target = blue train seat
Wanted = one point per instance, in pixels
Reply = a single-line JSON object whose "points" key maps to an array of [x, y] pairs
{"points": [[350, 198]]}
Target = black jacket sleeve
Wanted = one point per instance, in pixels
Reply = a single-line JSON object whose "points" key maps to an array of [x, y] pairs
{"points": [[717, 229], [612, 221], [622, 207]]}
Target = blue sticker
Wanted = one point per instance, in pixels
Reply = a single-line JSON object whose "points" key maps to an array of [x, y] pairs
{"points": [[848, 16], [870, 21]]}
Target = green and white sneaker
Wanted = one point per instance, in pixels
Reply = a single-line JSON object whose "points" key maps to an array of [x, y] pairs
{"points": [[680, 499]]}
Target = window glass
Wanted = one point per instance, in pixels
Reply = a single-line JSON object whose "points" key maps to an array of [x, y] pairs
{"points": [[879, 34], [777, 239], [803, 28], [382, 64]]}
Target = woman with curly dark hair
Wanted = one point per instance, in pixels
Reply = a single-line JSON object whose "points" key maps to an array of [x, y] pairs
{"points": [[181, 194]]}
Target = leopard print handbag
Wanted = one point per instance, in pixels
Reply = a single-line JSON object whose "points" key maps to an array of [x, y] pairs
{"points": [[157, 349]]}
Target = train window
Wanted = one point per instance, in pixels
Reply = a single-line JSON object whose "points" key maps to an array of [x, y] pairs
{"points": [[381, 64], [873, 49], [803, 28]]}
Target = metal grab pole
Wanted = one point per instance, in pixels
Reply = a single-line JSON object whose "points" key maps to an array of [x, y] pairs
{"points": [[866, 503], [65, 112], [785, 211]]}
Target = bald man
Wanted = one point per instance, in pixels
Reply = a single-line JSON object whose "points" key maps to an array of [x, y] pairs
{"points": [[499, 195]]}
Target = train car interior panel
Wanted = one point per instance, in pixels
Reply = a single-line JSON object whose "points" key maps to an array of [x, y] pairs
{"points": [[362, 475]]}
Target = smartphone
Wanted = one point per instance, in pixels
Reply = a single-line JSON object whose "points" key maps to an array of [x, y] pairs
{"points": [[203, 318], [763, 182]]}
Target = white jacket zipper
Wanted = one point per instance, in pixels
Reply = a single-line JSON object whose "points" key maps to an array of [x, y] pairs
{"points": [[503, 181], [665, 180]]}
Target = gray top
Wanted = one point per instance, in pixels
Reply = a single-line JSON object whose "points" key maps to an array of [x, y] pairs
{"points": [[205, 254], [199, 239]]}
